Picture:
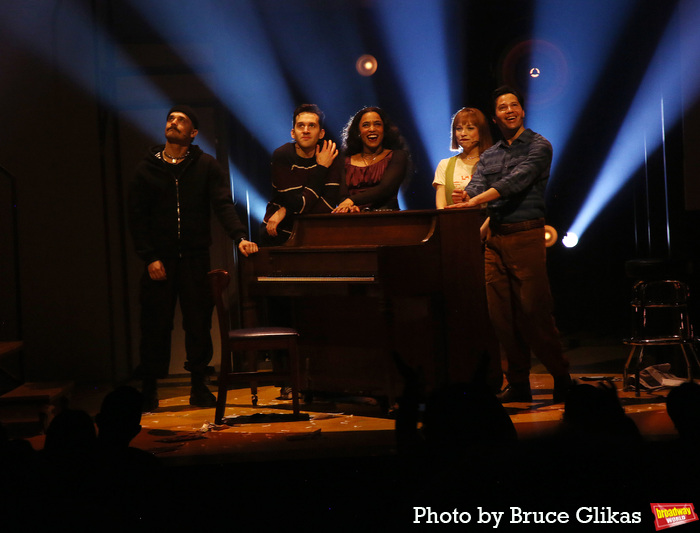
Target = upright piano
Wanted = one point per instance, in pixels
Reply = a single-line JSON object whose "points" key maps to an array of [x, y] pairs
{"points": [[366, 290]]}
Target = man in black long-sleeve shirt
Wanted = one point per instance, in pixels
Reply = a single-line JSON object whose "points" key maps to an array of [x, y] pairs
{"points": [[175, 188], [305, 176]]}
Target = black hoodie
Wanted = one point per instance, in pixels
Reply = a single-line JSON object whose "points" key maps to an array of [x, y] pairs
{"points": [[169, 205]]}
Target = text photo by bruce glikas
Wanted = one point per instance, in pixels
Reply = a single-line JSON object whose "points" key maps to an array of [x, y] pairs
{"points": [[519, 516]]}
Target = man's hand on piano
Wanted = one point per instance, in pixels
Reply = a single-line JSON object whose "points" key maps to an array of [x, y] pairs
{"points": [[274, 220], [247, 247], [485, 197], [326, 154], [461, 199], [459, 196]]}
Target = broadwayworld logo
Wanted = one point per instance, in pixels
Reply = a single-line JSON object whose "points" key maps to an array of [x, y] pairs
{"points": [[672, 514]]}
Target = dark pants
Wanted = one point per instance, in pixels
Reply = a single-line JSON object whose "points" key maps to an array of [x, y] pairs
{"points": [[520, 303], [187, 281]]}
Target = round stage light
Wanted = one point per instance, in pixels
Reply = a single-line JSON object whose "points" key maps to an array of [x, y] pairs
{"points": [[538, 68], [550, 236], [366, 65], [570, 240]]}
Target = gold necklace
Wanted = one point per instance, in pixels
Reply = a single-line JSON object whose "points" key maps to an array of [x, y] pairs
{"points": [[362, 154], [175, 159]]}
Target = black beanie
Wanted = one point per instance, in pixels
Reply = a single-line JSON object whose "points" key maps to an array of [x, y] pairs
{"points": [[187, 110]]}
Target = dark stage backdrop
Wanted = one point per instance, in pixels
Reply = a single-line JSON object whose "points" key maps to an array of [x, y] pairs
{"points": [[72, 156]]}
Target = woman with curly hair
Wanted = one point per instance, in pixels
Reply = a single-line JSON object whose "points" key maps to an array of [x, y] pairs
{"points": [[376, 163]]}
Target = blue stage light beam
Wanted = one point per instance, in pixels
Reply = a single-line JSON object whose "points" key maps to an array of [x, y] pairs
{"points": [[656, 107], [243, 192], [241, 65], [61, 36], [322, 63], [689, 14], [75, 30], [418, 35], [584, 32]]}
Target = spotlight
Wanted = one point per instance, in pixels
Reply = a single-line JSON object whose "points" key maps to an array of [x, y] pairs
{"points": [[570, 240], [539, 68], [550, 236], [366, 65]]}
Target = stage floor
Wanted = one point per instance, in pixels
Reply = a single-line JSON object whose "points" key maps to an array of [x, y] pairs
{"points": [[346, 427], [354, 427], [340, 470]]}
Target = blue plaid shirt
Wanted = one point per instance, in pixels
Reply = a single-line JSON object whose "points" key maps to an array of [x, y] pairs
{"points": [[519, 172]]}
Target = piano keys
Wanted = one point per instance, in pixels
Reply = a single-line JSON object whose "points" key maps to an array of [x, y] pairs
{"points": [[362, 287]]}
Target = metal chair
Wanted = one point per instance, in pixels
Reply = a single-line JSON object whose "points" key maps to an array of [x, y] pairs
{"points": [[660, 318], [250, 341]]}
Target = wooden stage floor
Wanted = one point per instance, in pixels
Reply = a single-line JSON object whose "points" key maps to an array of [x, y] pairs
{"points": [[181, 434], [340, 468], [347, 427]]}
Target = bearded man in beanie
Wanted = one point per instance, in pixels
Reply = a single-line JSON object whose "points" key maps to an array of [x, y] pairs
{"points": [[175, 188]]}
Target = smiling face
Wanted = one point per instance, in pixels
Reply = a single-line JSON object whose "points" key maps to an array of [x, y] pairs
{"points": [[510, 115], [307, 131], [179, 129], [371, 131]]}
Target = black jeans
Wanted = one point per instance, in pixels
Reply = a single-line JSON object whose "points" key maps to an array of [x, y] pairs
{"points": [[187, 282]]}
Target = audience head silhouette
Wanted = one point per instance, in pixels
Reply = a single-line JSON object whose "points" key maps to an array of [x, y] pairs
{"points": [[71, 431], [683, 407], [463, 415], [596, 410], [119, 419]]}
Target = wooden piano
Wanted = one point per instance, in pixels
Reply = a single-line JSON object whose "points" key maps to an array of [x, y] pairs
{"points": [[362, 287]]}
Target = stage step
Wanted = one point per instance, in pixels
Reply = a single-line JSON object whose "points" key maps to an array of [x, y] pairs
{"points": [[11, 364], [28, 409]]}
